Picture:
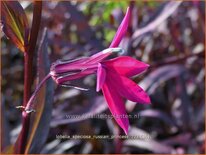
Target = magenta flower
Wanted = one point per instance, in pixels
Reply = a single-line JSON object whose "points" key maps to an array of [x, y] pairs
{"points": [[112, 76]]}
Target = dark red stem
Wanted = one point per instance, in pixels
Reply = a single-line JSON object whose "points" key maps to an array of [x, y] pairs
{"points": [[28, 74]]}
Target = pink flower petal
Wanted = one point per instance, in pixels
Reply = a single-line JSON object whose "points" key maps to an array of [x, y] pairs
{"points": [[128, 89], [121, 30], [101, 75], [71, 62], [126, 66], [67, 66], [116, 106], [73, 76]]}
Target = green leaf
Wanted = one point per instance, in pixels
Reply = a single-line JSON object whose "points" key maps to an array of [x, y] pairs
{"points": [[15, 23]]}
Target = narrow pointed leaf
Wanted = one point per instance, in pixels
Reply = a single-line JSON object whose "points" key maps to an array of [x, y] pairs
{"points": [[149, 143], [165, 11], [41, 119], [15, 24], [160, 75]]}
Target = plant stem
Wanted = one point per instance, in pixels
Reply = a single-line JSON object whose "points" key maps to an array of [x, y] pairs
{"points": [[28, 75]]}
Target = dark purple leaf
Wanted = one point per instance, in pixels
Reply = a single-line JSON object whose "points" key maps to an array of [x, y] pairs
{"points": [[156, 114], [162, 14], [181, 139], [55, 147], [160, 75], [5, 129], [41, 119], [184, 112], [146, 142]]}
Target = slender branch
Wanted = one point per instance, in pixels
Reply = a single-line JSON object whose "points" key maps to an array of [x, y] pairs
{"points": [[28, 74]]}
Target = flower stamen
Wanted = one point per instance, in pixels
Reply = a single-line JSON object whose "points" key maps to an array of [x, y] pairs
{"points": [[113, 50]]}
